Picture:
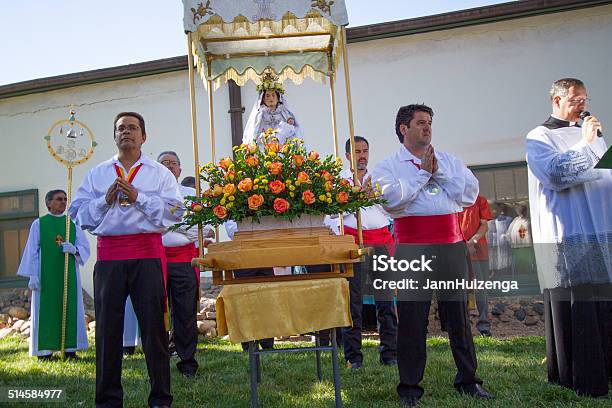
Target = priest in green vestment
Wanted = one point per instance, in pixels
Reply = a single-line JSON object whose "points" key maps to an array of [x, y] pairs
{"points": [[43, 263]]}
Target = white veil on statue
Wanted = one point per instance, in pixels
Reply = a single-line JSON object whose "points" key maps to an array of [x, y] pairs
{"points": [[262, 118]]}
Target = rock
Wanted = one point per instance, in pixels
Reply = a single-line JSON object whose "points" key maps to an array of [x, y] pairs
{"points": [[92, 325], [514, 306], [524, 302], [531, 321], [509, 313], [4, 318], [25, 326], [17, 325], [205, 325], [498, 309], [539, 308], [505, 318], [211, 315], [208, 305], [520, 314], [212, 332], [88, 318], [18, 303], [201, 316], [2, 325], [7, 331], [531, 312], [18, 312], [26, 333]]}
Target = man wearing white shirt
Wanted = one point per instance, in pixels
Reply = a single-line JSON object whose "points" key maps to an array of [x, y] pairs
{"points": [[183, 280], [424, 190], [571, 222], [128, 201], [375, 232]]}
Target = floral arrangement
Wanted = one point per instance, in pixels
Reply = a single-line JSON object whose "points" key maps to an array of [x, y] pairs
{"points": [[283, 180], [269, 81]]}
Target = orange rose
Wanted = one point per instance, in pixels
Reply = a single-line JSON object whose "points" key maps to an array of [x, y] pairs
{"points": [[276, 186], [217, 190], [275, 168], [229, 189], [280, 205], [273, 147], [220, 211], [345, 183], [302, 177], [207, 193], [252, 161], [251, 148], [196, 207], [308, 197], [328, 186], [255, 201], [342, 197], [298, 160], [245, 185], [230, 175], [326, 175], [225, 163], [313, 155]]}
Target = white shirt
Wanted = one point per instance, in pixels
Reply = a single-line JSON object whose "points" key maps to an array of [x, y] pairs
{"points": [[373, 217], [157, 193], [403, 185], [182, 236]]}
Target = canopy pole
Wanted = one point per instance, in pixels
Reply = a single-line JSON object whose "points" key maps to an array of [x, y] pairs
{"points": [[194, 133], [349, 107], [332, 98], [211, 122]]}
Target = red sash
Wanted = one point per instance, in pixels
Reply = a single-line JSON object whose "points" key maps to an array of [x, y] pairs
{"points": [[183, 254], [135, 246], [432, 229], [376, 237]]}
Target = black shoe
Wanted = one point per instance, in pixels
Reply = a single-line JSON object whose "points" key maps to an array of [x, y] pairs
{"points": [[353, 366], [409, 401], [128, 351], [474, 390], [391, 362], [71, 355], [485, 333], [188, 374]]}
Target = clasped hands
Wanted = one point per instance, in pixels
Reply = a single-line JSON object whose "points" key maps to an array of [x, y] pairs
{"points": [[429, 161], [121, 185]]}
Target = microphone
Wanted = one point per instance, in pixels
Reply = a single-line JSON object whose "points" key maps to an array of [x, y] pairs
{"points": [[583, 115]]}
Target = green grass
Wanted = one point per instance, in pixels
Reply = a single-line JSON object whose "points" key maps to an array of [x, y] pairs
{"points": [[511, 369]]}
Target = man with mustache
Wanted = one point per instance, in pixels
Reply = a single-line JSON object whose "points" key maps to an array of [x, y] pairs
{"points": [[128, 201]]}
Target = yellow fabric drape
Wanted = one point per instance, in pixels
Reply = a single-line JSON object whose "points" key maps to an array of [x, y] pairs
{"points": [[253, 311]]}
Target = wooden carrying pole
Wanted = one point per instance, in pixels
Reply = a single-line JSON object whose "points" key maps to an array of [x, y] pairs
{"points": [[213, 155], [194, 133], [66, 259], [349, 107]]}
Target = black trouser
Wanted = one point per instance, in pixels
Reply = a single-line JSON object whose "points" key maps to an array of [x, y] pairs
{"points": [[142, 280], [579, 338], [449, 262], [183, 294], [247, 273], [387, 323]]}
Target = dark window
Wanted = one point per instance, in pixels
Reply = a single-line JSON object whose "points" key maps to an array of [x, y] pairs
{"points": [[18, 209]]}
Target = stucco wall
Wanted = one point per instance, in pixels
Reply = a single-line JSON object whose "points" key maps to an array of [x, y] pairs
{"points": [[487, 84]]}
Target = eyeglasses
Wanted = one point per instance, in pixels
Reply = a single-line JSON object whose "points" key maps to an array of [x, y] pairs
{"points": [[131, 128], [170, 163], [579, 101]]}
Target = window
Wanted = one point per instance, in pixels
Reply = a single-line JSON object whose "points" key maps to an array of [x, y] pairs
{"points": [[18, 210], [510, 248]]}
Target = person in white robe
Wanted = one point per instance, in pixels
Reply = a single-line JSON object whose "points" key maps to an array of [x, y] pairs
{"points": [[30, 267], [571, 222]]}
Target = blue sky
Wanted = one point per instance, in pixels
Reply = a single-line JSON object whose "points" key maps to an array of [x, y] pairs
{"points": [[46, 38]]}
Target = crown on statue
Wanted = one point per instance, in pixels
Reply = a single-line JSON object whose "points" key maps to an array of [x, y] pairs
{"points": [[269, 82]]}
